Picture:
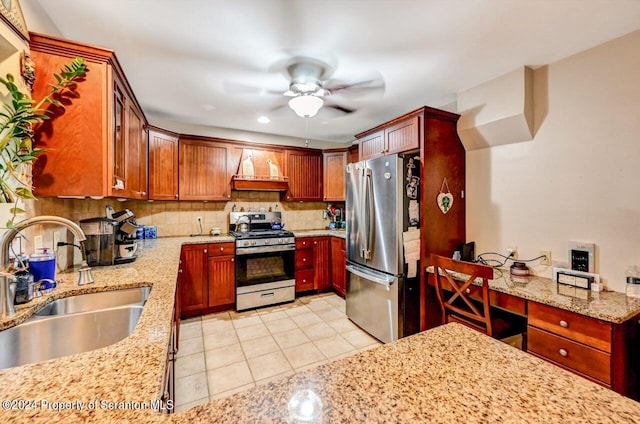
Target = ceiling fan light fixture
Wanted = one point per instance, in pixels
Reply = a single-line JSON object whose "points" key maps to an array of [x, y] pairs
{"points": [[306, 105]]}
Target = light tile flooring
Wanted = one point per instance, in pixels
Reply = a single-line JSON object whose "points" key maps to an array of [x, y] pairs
{"points": [[222, 354]]}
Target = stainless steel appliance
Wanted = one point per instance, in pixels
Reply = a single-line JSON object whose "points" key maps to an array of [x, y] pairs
{"points": [[265, 260], [111, 240], [381, 204]]}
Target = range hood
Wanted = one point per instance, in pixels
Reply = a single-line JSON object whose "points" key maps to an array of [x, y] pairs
{"points": [[260, 170]]}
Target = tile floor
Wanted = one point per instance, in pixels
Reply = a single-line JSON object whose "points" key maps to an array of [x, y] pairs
{"points": [[222, 354]]}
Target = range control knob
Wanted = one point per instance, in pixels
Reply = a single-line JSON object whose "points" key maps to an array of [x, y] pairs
{"points": [[280, 241], [253, 242], [267, 241], [246, 243]]}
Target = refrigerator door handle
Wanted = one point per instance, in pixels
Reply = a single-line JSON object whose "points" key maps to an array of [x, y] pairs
{"points": [[383, 280], [368, 194], [363, 236]]}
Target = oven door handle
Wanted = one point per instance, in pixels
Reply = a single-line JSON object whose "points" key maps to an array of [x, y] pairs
{"points": [[265, 249]]}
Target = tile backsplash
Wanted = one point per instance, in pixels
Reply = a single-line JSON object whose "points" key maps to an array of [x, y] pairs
{"points": [[181, 218]]}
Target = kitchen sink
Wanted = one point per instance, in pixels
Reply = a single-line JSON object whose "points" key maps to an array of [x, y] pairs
{"points": [[73, 325], [95, 301]]}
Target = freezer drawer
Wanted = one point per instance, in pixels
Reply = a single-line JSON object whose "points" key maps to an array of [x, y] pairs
{"points": [[372, 302]]}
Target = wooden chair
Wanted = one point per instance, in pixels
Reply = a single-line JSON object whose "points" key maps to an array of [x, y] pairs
{"points": [[457, 305]]}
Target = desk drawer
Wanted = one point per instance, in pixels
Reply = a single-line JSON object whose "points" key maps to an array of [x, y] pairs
{"points": [[573, 326], [576, 356], [222, 249]]}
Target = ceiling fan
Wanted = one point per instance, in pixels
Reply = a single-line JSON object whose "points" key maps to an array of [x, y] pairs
{"points": [[311, 85]]}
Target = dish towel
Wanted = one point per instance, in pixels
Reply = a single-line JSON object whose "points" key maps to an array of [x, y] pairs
{"points": [[411, 241]]}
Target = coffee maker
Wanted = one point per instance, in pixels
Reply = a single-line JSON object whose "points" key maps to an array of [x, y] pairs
{"points": [[111, 239]]}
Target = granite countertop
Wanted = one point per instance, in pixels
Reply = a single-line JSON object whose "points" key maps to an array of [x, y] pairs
{"points": [[130, 370], [319, 233], [447, 374], [607, 306]]}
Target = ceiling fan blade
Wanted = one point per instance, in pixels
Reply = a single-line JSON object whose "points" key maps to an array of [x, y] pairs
{"points": [[336, 106], [234, 87], [372, 86]]}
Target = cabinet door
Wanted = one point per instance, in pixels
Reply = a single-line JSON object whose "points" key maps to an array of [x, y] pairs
{"points": [[222, 275], [353, 154], [163, 166], [372, 145], [304, 170], [338, 266], [335, 164], [322, 262], [203, 171], [402, 136], [193, 279], [119, 129], [136, 156]]}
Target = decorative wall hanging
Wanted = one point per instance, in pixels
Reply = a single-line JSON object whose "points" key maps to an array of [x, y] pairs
{"points": [[27, 69], [11, 14], [445, 198]]}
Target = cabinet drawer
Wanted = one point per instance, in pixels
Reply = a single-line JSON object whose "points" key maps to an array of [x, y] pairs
{"points": [[222, 249], [304, 242], [584, 359], [580, 328], [304, 259], [304, 280]]}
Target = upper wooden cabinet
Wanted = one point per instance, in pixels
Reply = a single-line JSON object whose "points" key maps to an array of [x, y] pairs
{"points": [[353, 154], [395, 137], [335, 165], [203, 170], [97, 146], [163, 165], [304, 169]]}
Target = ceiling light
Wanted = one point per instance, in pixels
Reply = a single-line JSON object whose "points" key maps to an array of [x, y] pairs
{"points": [[306, 105], [264, 120]]}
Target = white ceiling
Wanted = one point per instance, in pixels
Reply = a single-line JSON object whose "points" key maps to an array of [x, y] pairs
{"points": [[182, 57]]}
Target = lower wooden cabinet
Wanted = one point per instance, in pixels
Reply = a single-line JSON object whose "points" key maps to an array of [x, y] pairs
{"points": [[322, 263], [575, 342], [313, 263], [338, 266], [206, 278]]}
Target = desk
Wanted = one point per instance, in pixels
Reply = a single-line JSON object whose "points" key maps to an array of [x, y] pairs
{"points": [[593, 334]]}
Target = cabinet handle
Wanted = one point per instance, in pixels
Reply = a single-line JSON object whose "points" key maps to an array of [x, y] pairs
{"points": [[564, 324], [176, 196], [563, 352], [222, 249], [468, 291], [304, 259], [304, 280], [232, 259], [180, 271], [315, 242], [205, 250], [143, 193]]}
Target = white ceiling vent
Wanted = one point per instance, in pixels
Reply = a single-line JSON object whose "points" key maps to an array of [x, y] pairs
{"points": [[497, 112]]}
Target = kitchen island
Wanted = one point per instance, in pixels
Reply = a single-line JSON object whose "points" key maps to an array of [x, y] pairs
{"points": [[450, 374], [415, 379]]}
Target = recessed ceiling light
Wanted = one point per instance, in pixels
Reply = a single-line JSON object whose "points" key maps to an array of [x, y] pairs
{"points": [[264, 120]]}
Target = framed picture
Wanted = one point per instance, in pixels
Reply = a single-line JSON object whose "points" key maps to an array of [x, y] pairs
{"points": [[11, 14]]}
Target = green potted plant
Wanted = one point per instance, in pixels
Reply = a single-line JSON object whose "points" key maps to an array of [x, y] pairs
{"points": [[18, 117]]}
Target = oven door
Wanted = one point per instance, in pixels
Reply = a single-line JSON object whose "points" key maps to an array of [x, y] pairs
{"points": [[264, 265]]}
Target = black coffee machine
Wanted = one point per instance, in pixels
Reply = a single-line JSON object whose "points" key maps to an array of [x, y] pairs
{"points": [[111, 240]]}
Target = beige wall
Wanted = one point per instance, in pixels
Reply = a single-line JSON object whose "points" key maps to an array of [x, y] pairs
{"points": [[579, 178]]}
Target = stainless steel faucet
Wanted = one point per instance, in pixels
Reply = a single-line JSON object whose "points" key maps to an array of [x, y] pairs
{"points": [[8, 287]]}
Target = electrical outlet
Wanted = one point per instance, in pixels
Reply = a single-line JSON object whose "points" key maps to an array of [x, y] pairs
{"points": [[37, 242], [547, 257], [56, 240], [512, 251]]}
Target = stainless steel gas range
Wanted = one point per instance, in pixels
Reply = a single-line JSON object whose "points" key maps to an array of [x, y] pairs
{"points": [[265, 259]]}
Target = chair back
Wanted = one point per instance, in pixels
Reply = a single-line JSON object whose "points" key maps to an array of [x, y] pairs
{"points": [[454, 295]]}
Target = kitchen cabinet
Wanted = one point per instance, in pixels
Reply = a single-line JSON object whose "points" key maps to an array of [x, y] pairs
{"points": [[163, 165], [193, 275], [396, 137], [339, 266], [97, 146], [207, 278], [575, 342], [353, 154], [334, 186], [169, 378], [313, 263], [304, 169], [203, 170], [222, 275]]}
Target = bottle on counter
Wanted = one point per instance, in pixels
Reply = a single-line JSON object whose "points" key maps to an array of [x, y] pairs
{"points": [[24, 287], [633, 281]]}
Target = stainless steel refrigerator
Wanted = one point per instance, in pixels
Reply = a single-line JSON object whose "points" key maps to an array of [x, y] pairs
{"points": [[381, 204]]}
